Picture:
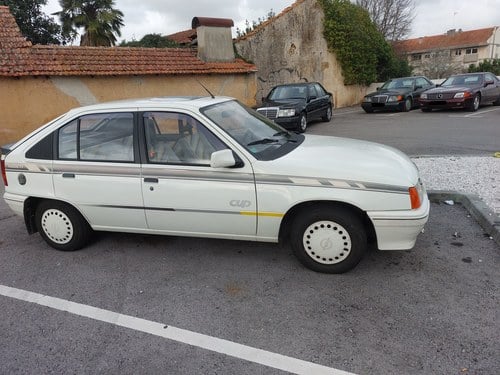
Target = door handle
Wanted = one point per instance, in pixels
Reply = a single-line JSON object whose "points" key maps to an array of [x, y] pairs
{"points": [[68, 175], [151, 180]]}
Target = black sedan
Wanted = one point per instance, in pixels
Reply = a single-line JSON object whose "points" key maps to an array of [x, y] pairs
{"points": [[465, 91], [293, 105], [398, 94]]}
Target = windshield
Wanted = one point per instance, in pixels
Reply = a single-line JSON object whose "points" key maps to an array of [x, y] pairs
{"points": [[260, 136], [403, 83], [288, 92], [469, 80]]}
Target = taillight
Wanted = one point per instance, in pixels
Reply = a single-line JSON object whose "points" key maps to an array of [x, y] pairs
{"points": [[414, 198], [4, 173]]}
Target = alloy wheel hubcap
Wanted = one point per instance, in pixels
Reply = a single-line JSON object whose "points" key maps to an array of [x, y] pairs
{"points": [[327, 242], [57, 226]]}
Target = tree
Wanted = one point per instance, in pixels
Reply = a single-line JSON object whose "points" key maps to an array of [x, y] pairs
{"points": [[36, 26], [250, 27], [101, 22], [440, 64], [151, 41], [392, 17], [492, 66]]}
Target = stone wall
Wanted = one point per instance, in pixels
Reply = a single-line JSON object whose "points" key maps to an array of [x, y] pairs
{"points": [[27, 102], [291, 48]]}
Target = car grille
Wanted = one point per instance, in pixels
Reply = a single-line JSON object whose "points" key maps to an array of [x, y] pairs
{"points": [[379, 99], [440, 96], [269, 112]]}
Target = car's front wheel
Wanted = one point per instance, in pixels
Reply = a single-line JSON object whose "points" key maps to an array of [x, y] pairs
{"points": [[407, 105], [328, 239], [302, 125], [62, 226], [474, 106], [328, 114]]}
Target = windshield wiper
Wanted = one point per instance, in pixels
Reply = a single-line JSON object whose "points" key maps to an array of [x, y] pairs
{"points": [[283, 132], [263, 141]]}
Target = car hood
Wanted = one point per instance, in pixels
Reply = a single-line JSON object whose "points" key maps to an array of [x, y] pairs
{"points": [[390, 92], [438, 90], [290, 103], [345, 159]]}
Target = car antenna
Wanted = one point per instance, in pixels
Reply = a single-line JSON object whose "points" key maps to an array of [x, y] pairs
{"points": [[207, 90]]}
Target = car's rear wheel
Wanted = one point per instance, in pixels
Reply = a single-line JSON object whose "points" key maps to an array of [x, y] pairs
{"points": [[328, 240], [474, 106], [302, 125], [408, 105], [328, 114], [62, 226]]}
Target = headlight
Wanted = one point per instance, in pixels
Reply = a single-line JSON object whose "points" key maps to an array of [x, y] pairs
{"points": [[288, 112], [367, 99], [423, 96], [394, 98], [461, 95]]}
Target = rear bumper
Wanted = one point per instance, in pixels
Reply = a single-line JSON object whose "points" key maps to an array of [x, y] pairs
{"points": [[15, 203], [398, 230]]}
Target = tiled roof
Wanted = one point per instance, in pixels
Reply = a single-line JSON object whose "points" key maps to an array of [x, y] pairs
{"points": [[457, 39], [183, 37], [20, 58]]}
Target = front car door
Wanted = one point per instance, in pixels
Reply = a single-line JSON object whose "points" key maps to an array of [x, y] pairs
{"points": [[183, 194]]}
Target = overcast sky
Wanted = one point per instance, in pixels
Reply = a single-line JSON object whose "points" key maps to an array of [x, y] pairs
{"points": [[167, 16]]}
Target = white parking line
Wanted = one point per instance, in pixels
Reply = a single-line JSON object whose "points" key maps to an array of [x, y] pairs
{"points": [[477, 114], [248, 353]]}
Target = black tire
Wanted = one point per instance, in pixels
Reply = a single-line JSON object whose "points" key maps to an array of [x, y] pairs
{"points": [[328, 114], [328, 240], [302, 125], [474, 106], [425, 109], [62, 226], [408, 105]]}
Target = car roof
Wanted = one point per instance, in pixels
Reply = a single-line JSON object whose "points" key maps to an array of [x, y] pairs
{"points": [[185, 102]]}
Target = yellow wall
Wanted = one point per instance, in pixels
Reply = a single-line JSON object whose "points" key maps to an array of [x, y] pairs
{"points": [[27, 103]]}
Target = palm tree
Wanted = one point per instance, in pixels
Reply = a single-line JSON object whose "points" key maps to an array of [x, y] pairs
{"points": [[101, 23]]}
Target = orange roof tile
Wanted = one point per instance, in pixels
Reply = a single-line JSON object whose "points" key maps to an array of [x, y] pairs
{"points": [[183, 37], [457, 39], [20, 58]]}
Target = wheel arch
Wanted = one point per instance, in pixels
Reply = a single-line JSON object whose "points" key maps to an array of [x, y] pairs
{"points": [[29, 210], [290, 215]]}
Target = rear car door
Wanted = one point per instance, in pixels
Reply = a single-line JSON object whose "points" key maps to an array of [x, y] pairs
{"points": [[183, 194], [97, 170]]}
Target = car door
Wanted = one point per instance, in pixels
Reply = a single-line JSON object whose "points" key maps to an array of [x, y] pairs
{"points": [[183, 194], [492, 91], [97, 170], [421, 84]]}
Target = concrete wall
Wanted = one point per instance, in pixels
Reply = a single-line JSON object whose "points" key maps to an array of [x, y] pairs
{"points": [[291, 48], [27, 102]]}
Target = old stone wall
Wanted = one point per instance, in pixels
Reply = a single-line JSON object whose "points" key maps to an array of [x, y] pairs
{"points": [[291, 48], [27, 102]]}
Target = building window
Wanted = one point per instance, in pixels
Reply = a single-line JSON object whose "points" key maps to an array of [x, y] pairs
{"points": [[458, 52], [470, 51], [416, 57], [427, 56]]}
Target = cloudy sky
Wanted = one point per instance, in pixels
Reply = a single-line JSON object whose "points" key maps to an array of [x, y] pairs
{"points": [[168, 16]]}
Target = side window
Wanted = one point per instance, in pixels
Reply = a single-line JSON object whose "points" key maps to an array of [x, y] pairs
{"points": [[177, 138], [320, 90], [99, 137], [422, 82]]}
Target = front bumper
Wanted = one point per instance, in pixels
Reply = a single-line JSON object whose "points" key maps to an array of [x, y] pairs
{"points": [[398, 230], [389, 106], [459, 103], [288, 122]]}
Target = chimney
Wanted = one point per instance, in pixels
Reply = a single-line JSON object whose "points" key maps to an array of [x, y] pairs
{"points": [[215, 42], [451, 32]]}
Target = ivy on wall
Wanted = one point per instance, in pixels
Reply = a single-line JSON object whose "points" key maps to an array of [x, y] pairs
{"points": [[363, 53]]}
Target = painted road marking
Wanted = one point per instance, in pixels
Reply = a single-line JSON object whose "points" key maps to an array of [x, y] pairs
{"points": [[476, 114], [248, 353]]}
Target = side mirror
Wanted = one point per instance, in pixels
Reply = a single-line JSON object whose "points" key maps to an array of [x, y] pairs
{"points": [[222, 159], [311, 98], [378, 88]]}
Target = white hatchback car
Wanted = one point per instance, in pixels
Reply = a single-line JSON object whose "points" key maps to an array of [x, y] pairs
{"points": [[210, 167]]}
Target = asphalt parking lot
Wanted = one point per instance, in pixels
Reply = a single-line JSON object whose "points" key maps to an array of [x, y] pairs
{"points": [[431, 310]]}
